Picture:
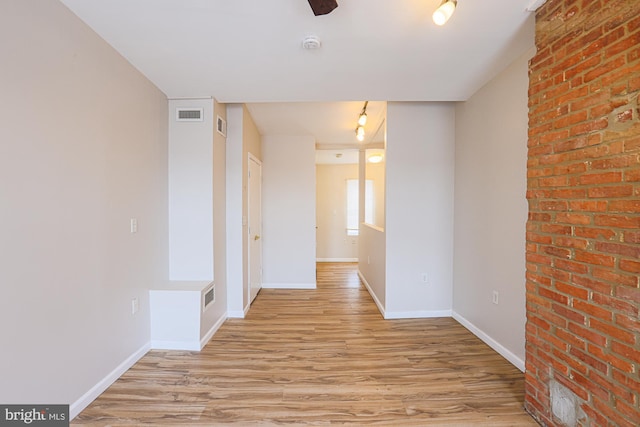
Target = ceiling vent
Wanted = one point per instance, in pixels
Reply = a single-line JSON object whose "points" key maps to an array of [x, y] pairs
{"points": [[189, 114]]}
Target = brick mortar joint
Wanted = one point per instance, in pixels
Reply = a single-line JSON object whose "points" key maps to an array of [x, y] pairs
{"points": [[557, 23]]}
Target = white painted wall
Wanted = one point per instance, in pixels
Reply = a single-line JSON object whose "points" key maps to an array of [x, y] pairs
{"points": [[235, 272], [419, 208], [372, 263], [372, 250], [197, 205], [333, 244], [179, 318], [176, 315], [83, 149], [191, 192], [491, 211], [242, 138], [217, 312], [289, 211], [375, 172]]}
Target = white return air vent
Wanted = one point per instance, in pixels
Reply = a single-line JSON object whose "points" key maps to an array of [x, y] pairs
{"points": [[189, 114], [209, 297]]}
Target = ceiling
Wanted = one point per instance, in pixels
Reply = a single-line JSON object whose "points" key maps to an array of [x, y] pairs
{"points": [[344, 157], [312, 118], [250, 51]]}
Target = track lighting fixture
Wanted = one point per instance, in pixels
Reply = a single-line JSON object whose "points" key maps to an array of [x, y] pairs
{"points": [[444, 11], [362, 120]]}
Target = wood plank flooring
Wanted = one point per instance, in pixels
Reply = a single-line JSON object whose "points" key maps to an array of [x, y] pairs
{"points": [[320, 357]]}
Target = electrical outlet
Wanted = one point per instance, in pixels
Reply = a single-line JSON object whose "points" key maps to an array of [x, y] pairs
{"points": [[425, 278], [135, 306], [134, 225], [495, 297]]}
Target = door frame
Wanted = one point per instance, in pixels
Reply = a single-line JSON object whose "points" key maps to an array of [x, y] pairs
{"points": [[252, 234]]}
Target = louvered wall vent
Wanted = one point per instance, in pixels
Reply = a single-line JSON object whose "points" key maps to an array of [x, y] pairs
{"points": [[189, 114], [209, 297], [221, 126]]}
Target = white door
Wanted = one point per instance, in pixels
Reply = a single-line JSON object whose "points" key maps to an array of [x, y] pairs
{"points": [[254, 209]]}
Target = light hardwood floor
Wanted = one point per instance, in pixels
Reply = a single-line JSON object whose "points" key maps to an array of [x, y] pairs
{"points": [[321, 357]]}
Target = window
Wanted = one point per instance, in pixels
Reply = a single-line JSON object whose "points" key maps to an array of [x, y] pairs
{"points": [[353, 208]]}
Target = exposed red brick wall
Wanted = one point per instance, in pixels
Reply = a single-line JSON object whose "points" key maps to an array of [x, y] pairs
{"points": [[583, 233]]}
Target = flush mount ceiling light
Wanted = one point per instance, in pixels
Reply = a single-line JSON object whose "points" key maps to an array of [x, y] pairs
{"points": [[444, 11], [362, 120], [375, 158]]}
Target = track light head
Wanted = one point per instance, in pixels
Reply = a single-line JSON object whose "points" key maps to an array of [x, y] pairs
{"points": [[362, 120], [444, 11]]}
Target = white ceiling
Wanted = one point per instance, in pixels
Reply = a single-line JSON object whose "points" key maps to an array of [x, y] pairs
{"points": [[337, 157], [312, 118], [344, 156], [250, 51]]}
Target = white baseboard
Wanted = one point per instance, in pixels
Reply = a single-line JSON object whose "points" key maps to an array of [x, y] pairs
{"points": [[402, 314], [207, 337], [420, 314], [503, 351], [238, 314], [289, 285], [336, 259], [235, 314], [373, 294], [175, 345], [79, 405], [189, 345]]}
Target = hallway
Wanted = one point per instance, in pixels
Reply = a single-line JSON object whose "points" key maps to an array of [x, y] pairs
{"points": [[320, 357]]}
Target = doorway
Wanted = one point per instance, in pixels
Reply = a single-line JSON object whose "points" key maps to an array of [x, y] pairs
{"points": [[337, 211]]}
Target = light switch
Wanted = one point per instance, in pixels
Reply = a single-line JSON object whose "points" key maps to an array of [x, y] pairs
{"points": [[134, 225]]}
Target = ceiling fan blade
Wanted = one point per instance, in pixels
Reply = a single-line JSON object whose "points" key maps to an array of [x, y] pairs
{"points": [[322, 7]]}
